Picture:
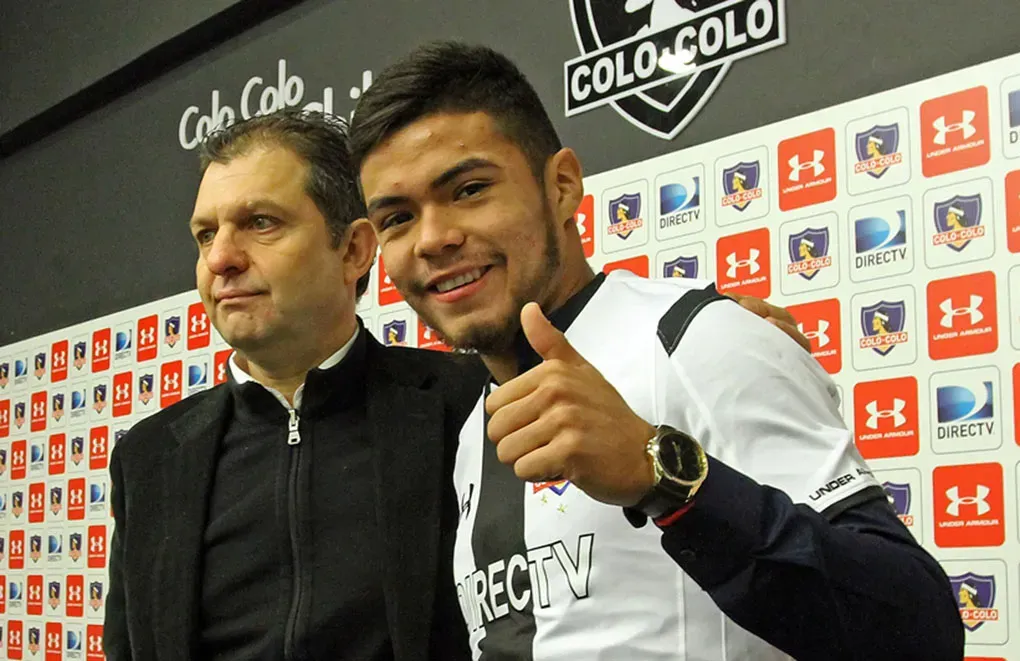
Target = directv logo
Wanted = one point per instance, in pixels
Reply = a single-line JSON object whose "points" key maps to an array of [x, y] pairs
{"points": [[965, 410], [680, 203], [122, 342], [880, 240], [198, 376]]}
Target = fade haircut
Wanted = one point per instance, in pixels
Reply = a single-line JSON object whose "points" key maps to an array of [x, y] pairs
{"points": [[321, 141], [450, 76]]}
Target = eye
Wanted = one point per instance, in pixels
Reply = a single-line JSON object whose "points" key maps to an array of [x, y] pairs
{"points": [[204, 236], [471, 189], [262, 223], [395, 219]]}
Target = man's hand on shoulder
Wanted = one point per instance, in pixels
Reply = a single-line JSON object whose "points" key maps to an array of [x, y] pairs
{"points": [[775, 315]]}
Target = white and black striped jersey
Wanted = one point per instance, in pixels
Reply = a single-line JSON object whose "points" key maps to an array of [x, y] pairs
{"points": [[545, 573]]}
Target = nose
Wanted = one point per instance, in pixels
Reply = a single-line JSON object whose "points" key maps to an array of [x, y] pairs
{"points": [[226, 256], [437, 233]]}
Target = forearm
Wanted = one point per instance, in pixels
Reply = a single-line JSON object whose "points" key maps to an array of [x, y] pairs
{"points": [[855, 587]]}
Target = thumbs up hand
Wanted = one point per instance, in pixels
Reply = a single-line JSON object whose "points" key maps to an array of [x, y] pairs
{"points": [[562, 420]]}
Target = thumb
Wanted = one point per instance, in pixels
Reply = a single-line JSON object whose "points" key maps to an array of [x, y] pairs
{"points": [[547, 341]]}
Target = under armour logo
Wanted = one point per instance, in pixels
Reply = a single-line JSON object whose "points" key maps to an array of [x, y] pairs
{"points": [[59, 359], [15, 638], [95, 643], [122, 391], [16, 547], [101, 347], [198, 323], [98, 444], [953, 494], [942, 129], [53, 641], [36, 500], [465, 502], [974, 311], [34, 592], [751, 262], [19, 458], [896, 413], [73, 593], [3, 417], [96, 544], [171, 382], [821, 334], [815, 166], [147, 336], [77, 497], [56, 452], [38, 409]]}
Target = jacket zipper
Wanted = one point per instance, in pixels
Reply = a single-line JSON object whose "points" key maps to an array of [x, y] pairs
{"points": [[294, 440]]}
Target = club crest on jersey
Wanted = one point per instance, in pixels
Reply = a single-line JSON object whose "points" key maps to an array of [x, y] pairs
{"points": [[625, 215], [809, 252], [172, 330], [958, 222], [395, 333], [975, 596], [557, 486], [899, 498], [877, 150], [657, 62], [681, 267], [883, 325], [740, 185]]}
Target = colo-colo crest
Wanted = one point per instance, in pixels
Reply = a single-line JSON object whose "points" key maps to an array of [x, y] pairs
{"points": [[657, 62]]}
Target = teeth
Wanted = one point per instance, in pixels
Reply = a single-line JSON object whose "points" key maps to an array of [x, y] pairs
{"points": [[459, 281]]}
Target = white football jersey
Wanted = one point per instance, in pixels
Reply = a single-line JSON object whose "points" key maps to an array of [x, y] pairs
{"points": [[545, 573]]}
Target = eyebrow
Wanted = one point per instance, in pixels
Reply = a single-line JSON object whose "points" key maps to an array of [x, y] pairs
{"points": [[467, 165], [252, 206]]}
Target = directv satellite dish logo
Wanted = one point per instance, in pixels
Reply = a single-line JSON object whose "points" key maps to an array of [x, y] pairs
{"points": [[965, 410], [679, 203], [97, 494], [198, 376]]}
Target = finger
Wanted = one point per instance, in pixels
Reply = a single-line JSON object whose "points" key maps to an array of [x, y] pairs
{"points": [[792, 331], [515, 415], [526, 440], [521, 386], [781, 314], [547, 341], [542, 465], [752, 304]]}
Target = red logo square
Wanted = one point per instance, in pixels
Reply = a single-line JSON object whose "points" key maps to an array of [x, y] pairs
{"points": [[1013, 211], [19, 459], [199, 328], [98, 447], [16, 549], [36, 502], [5, 418], [969, 505], [76, 499], [148, 337], [58, 361], [636, 265], [94, 642], [3, 594], [101, 350], [38, 404], [15, 642], [807, 169], [585, 218], [34, 596], [744, 263], [97, 547], [54, 637], [820, 323], [962, 316], [429, 339], [388, 293], [886, 419], [220, 367], [57, 454], [170, 383], [75, 600], [122, 394], [954, 132]]}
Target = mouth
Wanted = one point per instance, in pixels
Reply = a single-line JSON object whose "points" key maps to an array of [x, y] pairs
{"points": [[452, 287], [235, 295]]}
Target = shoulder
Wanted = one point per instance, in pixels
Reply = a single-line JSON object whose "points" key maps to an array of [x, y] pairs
{"points": [[148, 436]]}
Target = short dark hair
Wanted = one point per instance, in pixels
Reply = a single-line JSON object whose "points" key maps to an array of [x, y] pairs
{"points": [[317, 138], [450, 76]]}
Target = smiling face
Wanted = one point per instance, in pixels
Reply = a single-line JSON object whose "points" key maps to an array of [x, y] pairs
{"points": [[267, 272], [467, 232]]}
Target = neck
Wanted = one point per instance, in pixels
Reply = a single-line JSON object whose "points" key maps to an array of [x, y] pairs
{"points": [[285, 372], [503, 365]]}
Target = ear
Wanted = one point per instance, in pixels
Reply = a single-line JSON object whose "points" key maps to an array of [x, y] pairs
{"points": [[359, 250], [564, 183]]}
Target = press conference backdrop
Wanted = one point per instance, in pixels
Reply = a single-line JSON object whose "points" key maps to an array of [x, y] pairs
{"points": [[890, 226]]}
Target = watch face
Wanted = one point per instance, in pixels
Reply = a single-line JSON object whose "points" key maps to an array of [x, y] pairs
{"points": [[680, 457]]}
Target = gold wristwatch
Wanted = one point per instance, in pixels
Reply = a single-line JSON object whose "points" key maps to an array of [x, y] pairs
{"points": [[680, 466]]}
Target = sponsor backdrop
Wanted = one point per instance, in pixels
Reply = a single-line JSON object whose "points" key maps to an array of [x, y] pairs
{"points": [[888, 224]]}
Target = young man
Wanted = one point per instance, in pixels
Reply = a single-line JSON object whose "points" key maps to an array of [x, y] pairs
{"points": [[662, 398]]}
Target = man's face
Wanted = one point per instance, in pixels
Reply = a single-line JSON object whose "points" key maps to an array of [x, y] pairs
{"points": [[467, 233], [267, 271]]}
